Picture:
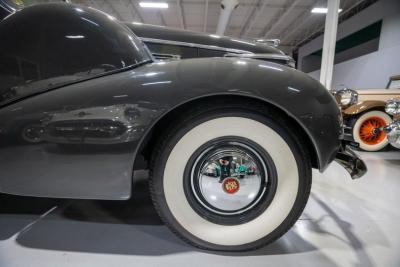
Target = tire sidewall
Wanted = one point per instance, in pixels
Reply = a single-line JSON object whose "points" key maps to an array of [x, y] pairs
{"points": [[160, 161], [357, 125]]}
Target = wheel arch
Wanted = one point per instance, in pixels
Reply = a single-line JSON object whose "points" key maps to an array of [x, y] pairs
{"points": [[146, 144]]}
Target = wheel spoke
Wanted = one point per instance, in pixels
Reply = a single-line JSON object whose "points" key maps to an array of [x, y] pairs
{"points": [[366, 131]]}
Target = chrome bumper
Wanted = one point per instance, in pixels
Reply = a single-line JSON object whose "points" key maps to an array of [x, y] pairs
{"points": [[393, 133], [351, 162]]}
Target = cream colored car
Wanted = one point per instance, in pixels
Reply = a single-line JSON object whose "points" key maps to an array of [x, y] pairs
{"points": [[364, 110]]}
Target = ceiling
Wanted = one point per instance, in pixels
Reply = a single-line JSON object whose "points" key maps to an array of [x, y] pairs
{"points": [[288, 20]]}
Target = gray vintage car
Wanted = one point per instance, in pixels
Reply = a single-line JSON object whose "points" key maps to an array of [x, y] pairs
{"points": [[165, 42], [85, 79]]}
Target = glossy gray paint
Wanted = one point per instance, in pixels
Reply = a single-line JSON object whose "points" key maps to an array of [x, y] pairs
{"points": [[81, 169], [185, 36], [81, 139], [5, 9]]}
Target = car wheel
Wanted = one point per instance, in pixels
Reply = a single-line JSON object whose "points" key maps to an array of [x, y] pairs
{"points": [[226, 213], [363, 130]]}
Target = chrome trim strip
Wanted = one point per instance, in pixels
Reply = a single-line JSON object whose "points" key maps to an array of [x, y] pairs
{"points": [[272, 42], [262, 56], [166, 56], [211, 47], [230, 51]]}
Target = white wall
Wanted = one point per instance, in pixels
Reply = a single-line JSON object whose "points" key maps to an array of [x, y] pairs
{"points": [[372, 70]]}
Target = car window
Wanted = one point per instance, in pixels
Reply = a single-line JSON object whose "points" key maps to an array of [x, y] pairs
{"points": [[394, 84], [211, 53], [182, 51]]}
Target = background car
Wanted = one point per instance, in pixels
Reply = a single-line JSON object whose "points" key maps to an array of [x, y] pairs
{"points": [[364, 110], [392, 130]]}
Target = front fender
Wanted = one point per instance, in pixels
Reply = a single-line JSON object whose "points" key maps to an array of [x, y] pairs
{"points": [[299, 96], [363, 106]]}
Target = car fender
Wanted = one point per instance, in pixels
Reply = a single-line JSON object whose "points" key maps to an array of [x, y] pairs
{"points": [[363, 106], [293, 92]]}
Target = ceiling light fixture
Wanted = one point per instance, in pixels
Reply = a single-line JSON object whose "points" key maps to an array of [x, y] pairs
{"points": [[153, 4], [322, 10]]}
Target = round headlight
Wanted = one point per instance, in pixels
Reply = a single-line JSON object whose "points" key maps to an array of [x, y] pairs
{"points": [[347, 97], [393, 107]]}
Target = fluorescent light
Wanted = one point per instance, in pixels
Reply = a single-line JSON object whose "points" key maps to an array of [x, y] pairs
{"points": [[322, 10], [154, 4], [74, 36]]}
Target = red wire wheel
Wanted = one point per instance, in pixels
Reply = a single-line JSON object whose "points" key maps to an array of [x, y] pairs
{"points": [[366, 131]]}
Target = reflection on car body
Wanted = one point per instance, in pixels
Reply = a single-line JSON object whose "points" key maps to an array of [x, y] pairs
{"points": [[97, 125]]}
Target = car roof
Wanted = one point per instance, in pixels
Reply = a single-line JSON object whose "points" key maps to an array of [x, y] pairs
{"points": [[147, 31]]}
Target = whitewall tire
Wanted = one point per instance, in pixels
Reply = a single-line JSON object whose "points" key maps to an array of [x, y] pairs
{"points": [[362, 130], [281, 199]]}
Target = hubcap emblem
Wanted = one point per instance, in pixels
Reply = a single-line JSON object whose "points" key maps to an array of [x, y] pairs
{"points": [[230, 185]]}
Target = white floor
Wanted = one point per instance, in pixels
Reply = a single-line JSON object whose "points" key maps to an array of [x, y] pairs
{"points": [[346, 223]]}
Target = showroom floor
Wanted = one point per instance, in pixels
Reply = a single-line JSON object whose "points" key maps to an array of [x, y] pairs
{"points": [[346, 223]]}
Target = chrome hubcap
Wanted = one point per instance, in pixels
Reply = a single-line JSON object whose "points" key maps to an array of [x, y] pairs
{"points": [[229, 178]]}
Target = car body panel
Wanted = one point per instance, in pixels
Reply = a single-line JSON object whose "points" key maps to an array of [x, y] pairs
{"points": [[185, 36], [362, 106], [104, 171], [165, 42], [377, 94], [80, 138]]}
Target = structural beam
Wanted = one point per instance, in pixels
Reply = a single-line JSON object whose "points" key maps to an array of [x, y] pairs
{"points": [[293, 27], [328, 50], [115, 11], [162, 18], [134, 11], [251, 15], [227, 7], [260, 11], [205, 16], [180, 12], [322, 27], [281, 18]]}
